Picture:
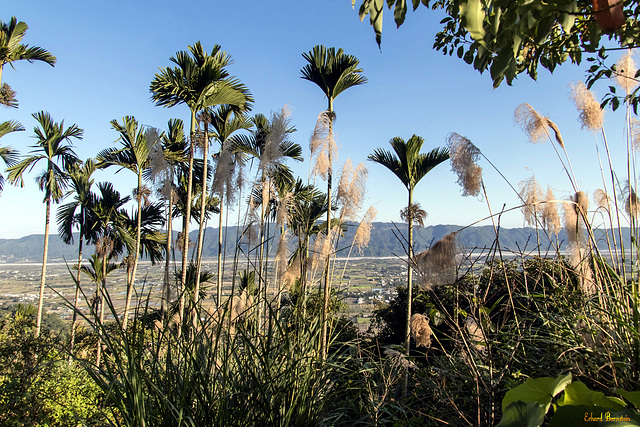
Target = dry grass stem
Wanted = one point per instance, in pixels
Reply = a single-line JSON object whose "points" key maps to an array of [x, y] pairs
{"points": [[420, 330], [531, 195], [591, 115], [437, 265], [626, 72], [464, 157], [363, 233], [550, 215]]}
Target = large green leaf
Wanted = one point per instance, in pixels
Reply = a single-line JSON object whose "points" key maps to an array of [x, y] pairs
{"points": [[472, 13], [631, 396], [520, 414], [579, 394], [540, 390]]}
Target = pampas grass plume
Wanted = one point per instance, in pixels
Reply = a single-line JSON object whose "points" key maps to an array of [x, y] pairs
{"points": [[535, 125], [626, 72], [531, 194], [464, 157], [602, 199], [550, 215], [591, 115], [363, 233]]}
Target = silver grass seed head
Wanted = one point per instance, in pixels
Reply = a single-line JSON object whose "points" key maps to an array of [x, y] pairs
{"points": [[626, 72], [532, 196], [535, 125], [464, 158], [602, 199], [550, 215], [363, 233], [591, 115]]}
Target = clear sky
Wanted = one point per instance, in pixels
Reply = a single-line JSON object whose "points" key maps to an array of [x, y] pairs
{"points": [[108, 52]]}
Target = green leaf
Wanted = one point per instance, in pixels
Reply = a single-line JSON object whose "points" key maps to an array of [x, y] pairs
{"points": [[578, 393], [540, 390], [520, 414], [400, 12], [631, 396], [472, 14]]}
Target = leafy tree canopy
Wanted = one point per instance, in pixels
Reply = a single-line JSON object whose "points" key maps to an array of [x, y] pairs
{"points": [[508, 38]]}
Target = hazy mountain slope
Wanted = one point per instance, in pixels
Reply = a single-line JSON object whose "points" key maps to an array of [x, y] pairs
{"points": [[387, 239]]}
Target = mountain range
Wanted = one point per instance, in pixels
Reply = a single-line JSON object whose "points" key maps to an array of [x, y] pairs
{"points": [[387, 239]]}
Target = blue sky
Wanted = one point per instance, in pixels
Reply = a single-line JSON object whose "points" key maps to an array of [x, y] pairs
{"points": [[108, 53]]}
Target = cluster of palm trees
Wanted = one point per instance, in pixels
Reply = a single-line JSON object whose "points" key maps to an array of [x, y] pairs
{"points": [[167, 165]]}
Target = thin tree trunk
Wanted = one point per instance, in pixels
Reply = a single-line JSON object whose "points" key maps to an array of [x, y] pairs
{"points": [[407, 336], [166, 291], [327, 281], [203, 205], [76, 299], [261, 281], [99, 292], [132, 279], [185, 228], [219, 280], [44, 267]]}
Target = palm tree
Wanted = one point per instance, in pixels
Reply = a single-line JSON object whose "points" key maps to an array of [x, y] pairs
{"points": [[334, 72], [107, 219], [410, 166], [53, 146], [12, 49], [76, 213], [199, 81], [8, 155], [225, 122], [174, 148], [133, 156]]}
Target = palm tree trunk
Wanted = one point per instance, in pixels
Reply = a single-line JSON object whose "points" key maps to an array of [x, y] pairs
{"points": [[76, 300], [44, 267], [203, 205], [132, 279], [166, 291], [327, 281], [407, 335], [219, 279], [185, 228], [99, 292], [261, 271]]}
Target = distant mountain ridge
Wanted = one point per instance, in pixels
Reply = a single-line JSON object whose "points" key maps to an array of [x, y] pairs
{"points": [[387, 239]]}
